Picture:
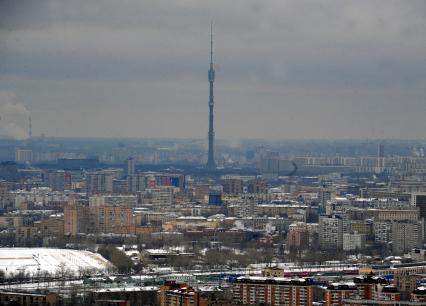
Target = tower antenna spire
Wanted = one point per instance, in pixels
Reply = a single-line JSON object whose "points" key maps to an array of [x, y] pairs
{"points": [[211, 164], [211, 43]]}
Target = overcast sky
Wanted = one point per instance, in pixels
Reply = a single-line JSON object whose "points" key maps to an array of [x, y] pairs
{"points": [[284, 69]]}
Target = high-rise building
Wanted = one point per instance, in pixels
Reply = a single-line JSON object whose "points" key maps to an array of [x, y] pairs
{"points": [[23, 155], [406, 236], [380, 150], [324, 195], [136, 182], [211, 164], [99, 182], [76, 218], [382, 232], [113, 219], [298, 236], [419, 200], [380, 157], [130, 166], [331, 232], [57, 179], [232, 186], [258, 185], [269, 162]]}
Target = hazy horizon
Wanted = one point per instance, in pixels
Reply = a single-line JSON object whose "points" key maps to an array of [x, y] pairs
{"points": [[285, 70]]}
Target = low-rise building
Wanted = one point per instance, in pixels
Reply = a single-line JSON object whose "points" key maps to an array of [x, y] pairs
{"points": [[175, 294], [28, 298]]}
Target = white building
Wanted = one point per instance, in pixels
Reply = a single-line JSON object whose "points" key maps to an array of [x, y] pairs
{"points": [[39, 196], [331, 232], [162, 196], [353, 241], [23, 155], [113, 200]]}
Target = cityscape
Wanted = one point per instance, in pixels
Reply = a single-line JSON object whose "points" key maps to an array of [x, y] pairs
{"points": [[255, 195]]}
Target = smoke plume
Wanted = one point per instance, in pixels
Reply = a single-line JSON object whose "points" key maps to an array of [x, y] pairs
{"points": [[13, 117]]}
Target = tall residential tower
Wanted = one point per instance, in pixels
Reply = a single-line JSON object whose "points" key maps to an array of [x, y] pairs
{"points": [[211, 164]]}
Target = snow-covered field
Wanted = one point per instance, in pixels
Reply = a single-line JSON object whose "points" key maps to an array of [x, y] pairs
{"points": [[40, 260]]}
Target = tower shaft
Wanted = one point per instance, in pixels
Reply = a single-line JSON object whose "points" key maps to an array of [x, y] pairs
{"points": [[211, 164]]}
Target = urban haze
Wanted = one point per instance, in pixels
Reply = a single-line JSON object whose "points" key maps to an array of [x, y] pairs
{"points": [[285, 69], [221, 153]]}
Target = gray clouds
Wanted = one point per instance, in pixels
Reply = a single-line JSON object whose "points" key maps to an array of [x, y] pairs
{"points": [[285, 69]]}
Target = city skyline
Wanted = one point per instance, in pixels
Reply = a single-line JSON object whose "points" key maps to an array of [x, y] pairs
{"points": [[123, 182], [344, 70]]}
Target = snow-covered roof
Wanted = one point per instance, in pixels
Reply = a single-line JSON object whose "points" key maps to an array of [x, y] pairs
{"points": [[41, 260]]}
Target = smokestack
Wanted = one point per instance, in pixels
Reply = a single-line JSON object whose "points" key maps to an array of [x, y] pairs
{"points": [[30, 127]]}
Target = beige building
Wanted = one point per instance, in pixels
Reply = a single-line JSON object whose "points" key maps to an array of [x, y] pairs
{"points": [[298, 236], [406, 282], [26, 235], [257, 185], [396, 214], [51, 227], [11, 221], [362, 227], [99, 219], [201, 192], [113, 219], [76, 218], [273, 272], [292, 211], [232, 186]]}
